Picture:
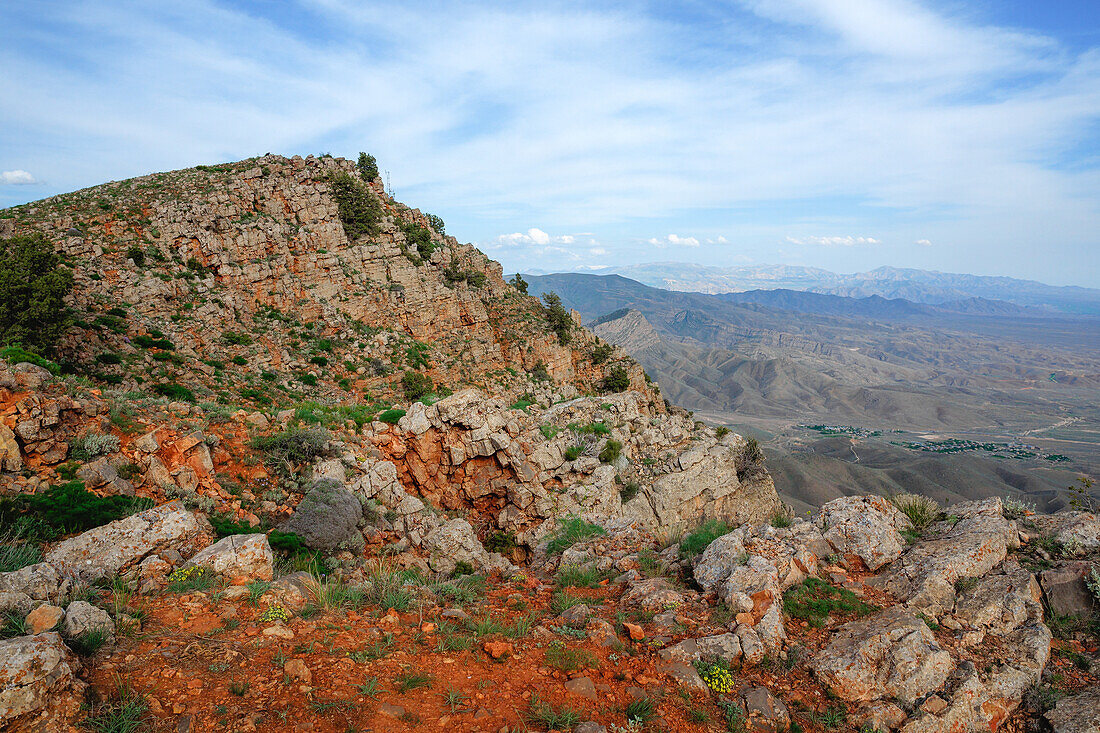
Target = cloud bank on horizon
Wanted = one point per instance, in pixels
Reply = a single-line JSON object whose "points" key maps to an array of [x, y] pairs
{"points": [[843, 134]]}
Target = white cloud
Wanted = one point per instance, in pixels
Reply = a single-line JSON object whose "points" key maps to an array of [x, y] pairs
{"points": [[17, 178], [924, 243], [675, 240], [848, 241], [597, 251]]}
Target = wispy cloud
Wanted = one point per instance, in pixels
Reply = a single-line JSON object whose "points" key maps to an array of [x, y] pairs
{"points": [[17, 178], [924, 242], [848, 241], [761, 115], [674, 240]]}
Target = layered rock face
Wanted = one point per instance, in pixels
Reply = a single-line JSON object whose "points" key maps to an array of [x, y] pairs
{"points": [[259, 249]]}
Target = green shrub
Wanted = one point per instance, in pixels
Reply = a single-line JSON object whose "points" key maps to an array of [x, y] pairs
{"points": [[319, 360], [617, 380], [416, 385], [419, 237], [294, 446], [65, 509], [224, 526], [572, 530], [574, 452], [239, 360], [437, 224], [550, 717], [392, 416], [601, 353], [148, 342], [308, 379], [18, 355], [236, 339], [500, 541], [137, 254], [611, 451], [695, 542], [33, 286], [721, 431], [628, 491], [174, 391], [359, 210], [518, 283], [17, 549], [367, 167], [814, 600], [558, 318], [108, 357], [288, 542], [781, 519]]}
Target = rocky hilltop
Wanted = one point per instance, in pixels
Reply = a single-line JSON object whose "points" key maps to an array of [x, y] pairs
{"points": [[300, 461]]}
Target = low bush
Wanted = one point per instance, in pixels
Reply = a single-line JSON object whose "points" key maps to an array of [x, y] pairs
{"points": [[815, 600], [148, 342], [572, 530], [921, 510], [90, 445], [695, 542], [294, 446], [611, 451], [617, 380], [65, 509], [174, 391], [416, 385], [392, 416]]}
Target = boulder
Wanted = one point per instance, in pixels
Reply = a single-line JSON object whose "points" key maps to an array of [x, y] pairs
{"points": [[924, 577], [240, 558], [328, 517], [723, 646], [122, 544], [39, 689], [82, 617], [454, 542], [10, 457], [1078, 713], [764, 712], [1073, 530], [891, 654], [1002, 602], [650, 594], [1065, 589], [40, 582], [865, 531]]}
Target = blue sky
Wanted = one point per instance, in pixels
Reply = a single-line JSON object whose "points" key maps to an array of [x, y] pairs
{"points": [[844, 134]]}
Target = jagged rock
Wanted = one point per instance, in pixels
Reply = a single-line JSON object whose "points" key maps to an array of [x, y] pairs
{"points": [[576, 616], [82, 617], [112, 548], [724, 646], [1077, 713], [1065, 589], [40, 582], [17, 603], [455, 542], [39, 689], [44, 618], [924, 577], [328, 516], [10, 457], [1071, 529], [764, 711], [1002, 602], [291, 591], [864, 530], [880, 715], [239, 558], [891, 654], [147, 443], [650, 594]]}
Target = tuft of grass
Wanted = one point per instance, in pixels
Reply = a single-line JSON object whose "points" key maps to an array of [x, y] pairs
{"points": [[14, 624], [563, 600], [815, 600], [579, 576], [572, 530], [640, 712], [455, 700], [368, 687], [567, 659], [123, 712], [412, 680], [781, 519], [833, 717], [921, 510], [256, 589], [699, 540], [89, 642], [545, 714], [239, 688], [17, 550]]}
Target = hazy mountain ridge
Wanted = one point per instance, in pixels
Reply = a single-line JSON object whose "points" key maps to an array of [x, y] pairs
{"points": [[918, 286]]}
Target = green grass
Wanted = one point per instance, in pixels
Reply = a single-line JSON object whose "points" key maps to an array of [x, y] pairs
{"points": [[572, 530], [455, 700], [563, 600], [552, 718], [567, 659], [14, 624], [640, 711], [699, 540], [391, 416], [815, 600], [17, 550], [921, 510], [579, 576], [89, 642], [412, 680], [124, 712], [368, 687]]}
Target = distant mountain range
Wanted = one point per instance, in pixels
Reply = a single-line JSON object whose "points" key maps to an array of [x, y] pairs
{"points": [[917, 286]]}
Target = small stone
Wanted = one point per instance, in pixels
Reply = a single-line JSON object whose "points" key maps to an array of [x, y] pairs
{"points": [[43, 618], [589, 726], [636, 632], [934, 705], [391, 711], [582, 686], [497, 649], [297, 670], [279, 631]]}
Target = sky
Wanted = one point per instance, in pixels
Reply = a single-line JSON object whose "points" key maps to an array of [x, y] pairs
{"points": [[845, 134]]}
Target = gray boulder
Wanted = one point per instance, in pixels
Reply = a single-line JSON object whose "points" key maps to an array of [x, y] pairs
{"points": [[239, 558], [864, 530], [1077, 714], [82, 617]]}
